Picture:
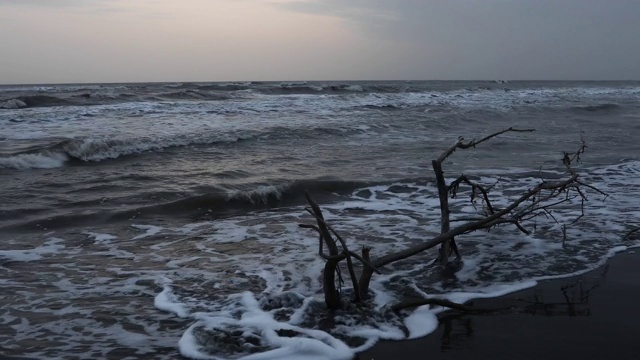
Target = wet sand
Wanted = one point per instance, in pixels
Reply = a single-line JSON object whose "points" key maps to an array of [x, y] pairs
{"points": [[591, 316]]}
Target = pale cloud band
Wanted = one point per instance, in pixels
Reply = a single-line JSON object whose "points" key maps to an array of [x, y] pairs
{"points": [[189, 40]]}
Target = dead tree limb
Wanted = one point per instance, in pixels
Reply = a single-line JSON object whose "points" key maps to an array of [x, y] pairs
{"points": [[460, 144], [537, 201], [324, 232], [345, 254], [452, 189], [331, 292], [470, 226], [445, 250], [331, 267], [449, 245]]}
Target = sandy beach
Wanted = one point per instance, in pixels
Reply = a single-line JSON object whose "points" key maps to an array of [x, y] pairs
{"points": [[590, 316]]}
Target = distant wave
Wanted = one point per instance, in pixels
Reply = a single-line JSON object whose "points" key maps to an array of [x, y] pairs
{"points": [[102, 98], [193, 95], [57, 96], [95, 150], [224, 86], [32, 101], [595, 108], [99, 149], [382, 106], [82, 99], [29, 97], [306, 88]]}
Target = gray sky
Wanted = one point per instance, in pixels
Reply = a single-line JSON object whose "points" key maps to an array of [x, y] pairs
{"points": [[53, 41]]}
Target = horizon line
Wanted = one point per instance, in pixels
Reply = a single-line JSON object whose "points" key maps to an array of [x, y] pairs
{"points": [[306, 80]]}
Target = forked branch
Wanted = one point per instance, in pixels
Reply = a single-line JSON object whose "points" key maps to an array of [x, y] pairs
{"points": [[537, 201]]}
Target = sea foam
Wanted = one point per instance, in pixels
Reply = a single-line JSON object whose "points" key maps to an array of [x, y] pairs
{"points": [[283, 307]]}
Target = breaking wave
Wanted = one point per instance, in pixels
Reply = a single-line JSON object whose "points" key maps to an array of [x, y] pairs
{"points": [[237, 201], [34, 161], [95, 150], [218, 202], [41, 101], [99, 149]]}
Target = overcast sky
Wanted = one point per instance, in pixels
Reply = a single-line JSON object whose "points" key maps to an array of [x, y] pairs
{"points": [[62, 41]]}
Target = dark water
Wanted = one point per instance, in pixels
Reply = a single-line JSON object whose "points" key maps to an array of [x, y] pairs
{"points": [[112, 193]]}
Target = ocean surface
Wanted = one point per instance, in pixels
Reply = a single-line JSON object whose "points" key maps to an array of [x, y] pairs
{"points": [[144, 221]]}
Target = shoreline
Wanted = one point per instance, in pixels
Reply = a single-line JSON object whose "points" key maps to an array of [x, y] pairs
{"points": [[588, 316]]}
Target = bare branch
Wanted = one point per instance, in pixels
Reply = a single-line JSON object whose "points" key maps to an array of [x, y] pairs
{"points": [[536, 209], [345, 251], [326, 235], [569, 158], [364, 261], [536, 201], [449, 244], [453, 188], [594, 189], [462, 145], [403, 254], [505, 221], [320, 242]]}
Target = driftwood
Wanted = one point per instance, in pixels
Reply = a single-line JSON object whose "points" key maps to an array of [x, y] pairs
{"points": [[537, 201], [449, 245], [332, 294]]}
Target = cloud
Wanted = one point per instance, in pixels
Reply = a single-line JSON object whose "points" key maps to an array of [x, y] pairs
{"points": [[351, 10], [49, 3], [144, 8], [514, 38]]}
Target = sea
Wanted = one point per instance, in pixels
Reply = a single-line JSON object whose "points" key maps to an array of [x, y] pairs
{"points": [[160, 220]]}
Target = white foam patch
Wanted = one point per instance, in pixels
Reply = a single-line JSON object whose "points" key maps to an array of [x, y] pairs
{"points": [[130, 339], [490, 291], [421, 322], [50, 247], [610, 253], [33, 161], [191, 228], [166, 301], [225, 232], [101, 237], [150, 230], [189, 345], [311, 344]]}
